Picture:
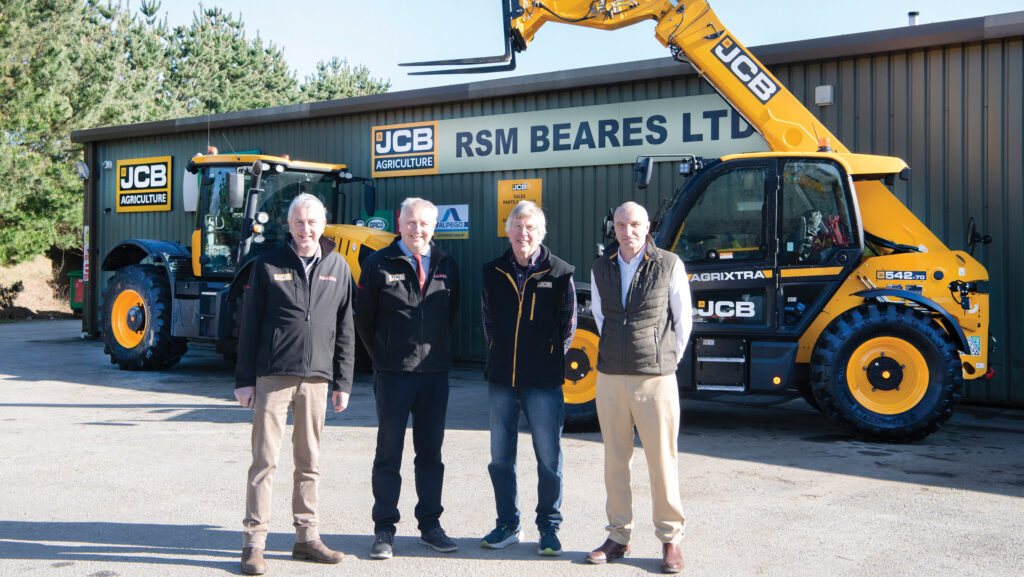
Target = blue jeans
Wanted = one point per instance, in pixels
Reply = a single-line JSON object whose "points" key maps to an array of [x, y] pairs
{"points": [[544, 410]]}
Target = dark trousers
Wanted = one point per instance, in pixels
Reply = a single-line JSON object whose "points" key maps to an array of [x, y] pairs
{"points": [[425, 397]]}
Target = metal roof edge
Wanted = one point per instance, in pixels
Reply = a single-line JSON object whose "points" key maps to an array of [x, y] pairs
{"points": [[894, 39]]}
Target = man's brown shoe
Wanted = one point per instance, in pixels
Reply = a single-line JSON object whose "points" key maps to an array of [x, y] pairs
{"points": [[609, 551], [252, 561], [671, 558], [317, 552]]}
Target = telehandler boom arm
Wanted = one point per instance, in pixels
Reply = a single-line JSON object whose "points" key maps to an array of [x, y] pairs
{"points": [[693, 32]]}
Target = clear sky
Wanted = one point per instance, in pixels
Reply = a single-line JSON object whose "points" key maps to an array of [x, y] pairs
{"points": [[380, 34]]}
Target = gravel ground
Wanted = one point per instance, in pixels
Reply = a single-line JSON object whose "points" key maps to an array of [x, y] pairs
{"points": [[108, 473]]}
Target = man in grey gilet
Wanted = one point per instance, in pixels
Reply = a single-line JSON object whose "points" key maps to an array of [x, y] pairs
{"points": [[641, 302]]}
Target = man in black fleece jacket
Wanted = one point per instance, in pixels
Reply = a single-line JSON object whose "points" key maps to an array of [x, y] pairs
{"points": [[296, 339]]}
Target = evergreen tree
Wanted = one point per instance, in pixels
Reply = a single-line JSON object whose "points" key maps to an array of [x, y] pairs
{"points": [[335, 79]]}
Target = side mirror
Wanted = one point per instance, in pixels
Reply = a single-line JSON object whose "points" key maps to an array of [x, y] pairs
{"points": [[642, 172], [190, 191], [369, 198], [236, 190]]}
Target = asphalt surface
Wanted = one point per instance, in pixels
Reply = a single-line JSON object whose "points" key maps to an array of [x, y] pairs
{"points": [[107, 473]]}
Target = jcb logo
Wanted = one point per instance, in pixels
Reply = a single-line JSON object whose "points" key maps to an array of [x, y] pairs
{"points": [[405, 149], [403, 140], [726, 309], [520, 186], [143, 176], [745, 68], [144, 184]]}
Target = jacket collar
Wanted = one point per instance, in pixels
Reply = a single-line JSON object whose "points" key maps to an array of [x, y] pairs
{"points": [[393, 251], [505, 262], [650, 251]]}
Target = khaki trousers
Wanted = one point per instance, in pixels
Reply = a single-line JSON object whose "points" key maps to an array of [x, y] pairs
{"points": [[308, 401], [651, 404]]}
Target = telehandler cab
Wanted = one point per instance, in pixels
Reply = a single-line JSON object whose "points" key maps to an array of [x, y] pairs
{"points": [[806, 272]]}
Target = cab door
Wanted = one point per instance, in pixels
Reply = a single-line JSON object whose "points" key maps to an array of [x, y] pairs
{"points": [[722, 225], [819, 240]]}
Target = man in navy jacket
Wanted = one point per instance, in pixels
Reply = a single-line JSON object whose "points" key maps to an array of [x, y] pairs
{"points": [[405, 314]]}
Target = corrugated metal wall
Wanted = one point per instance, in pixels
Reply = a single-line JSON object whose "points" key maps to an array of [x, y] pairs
{"points": [[954, 113]]}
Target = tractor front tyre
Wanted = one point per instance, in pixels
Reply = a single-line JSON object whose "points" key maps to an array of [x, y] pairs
{"points": [[137, 320], [886, 372], [580, 387]]}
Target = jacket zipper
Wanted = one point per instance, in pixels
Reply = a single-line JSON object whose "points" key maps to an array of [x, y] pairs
{"points": [[519, 315]]}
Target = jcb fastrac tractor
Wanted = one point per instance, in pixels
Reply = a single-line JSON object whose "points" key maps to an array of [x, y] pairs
{"points": [[163, 294], [807, 273]]}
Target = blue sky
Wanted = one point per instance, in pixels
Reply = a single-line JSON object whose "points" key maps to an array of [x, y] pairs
{"points": [[380, 34]]}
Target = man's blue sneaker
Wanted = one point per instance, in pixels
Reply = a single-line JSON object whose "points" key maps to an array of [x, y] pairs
{"points": [[549, 544], [502, 536]]}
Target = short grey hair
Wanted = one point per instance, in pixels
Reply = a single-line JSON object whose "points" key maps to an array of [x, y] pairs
{"points": [[306, 200], [524, 210], [414, 202], [629, 204]]}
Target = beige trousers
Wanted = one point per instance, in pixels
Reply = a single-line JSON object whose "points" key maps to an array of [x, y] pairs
{"points": [[651, 404], [308, 401]]}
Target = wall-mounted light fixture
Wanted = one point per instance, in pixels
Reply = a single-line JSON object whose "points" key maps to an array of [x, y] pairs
{"points": [[107, 165], [823, 95]]}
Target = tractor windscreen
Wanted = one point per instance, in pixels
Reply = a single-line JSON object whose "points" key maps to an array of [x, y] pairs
{"points": [[221, 224]]}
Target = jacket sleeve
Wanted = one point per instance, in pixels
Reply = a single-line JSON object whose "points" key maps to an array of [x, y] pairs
{"points": [[453, 305], [366, 306], [250, 321], [344, 337]]}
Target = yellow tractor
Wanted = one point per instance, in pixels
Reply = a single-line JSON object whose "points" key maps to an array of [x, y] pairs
{"points": [[163, 295], [806, 272]]}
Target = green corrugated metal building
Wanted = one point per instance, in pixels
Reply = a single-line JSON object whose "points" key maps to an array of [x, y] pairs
{"points": [[945, 97]]}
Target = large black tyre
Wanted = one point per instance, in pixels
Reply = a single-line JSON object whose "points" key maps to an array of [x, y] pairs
{"points": [[886, 372], [580, 386], [137, 320]]}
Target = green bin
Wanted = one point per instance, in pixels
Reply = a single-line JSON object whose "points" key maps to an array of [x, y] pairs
{"points": [[77, 292]]}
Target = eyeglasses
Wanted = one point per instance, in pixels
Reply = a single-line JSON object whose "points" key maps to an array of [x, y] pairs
{"points": [[530, 228]]}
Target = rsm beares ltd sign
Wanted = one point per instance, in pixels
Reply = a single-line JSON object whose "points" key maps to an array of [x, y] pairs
{"points": [[582, 136]]}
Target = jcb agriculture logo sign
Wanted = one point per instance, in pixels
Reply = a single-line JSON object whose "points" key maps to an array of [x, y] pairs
{"points": [[144, 184], [405, 149], [743, 67]]}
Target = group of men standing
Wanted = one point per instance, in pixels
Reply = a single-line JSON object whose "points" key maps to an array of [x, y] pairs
{"points": [[297, 341]]}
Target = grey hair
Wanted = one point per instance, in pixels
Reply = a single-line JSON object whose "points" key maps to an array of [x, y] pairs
{"points": [[306, 200], [629, 204], [524, 210], [414, 202]]}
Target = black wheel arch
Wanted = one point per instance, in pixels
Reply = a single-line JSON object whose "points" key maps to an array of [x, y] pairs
{"points": [[946, 319]]}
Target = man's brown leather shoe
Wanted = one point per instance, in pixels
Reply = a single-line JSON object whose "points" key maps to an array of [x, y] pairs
{"points": [[317, 552], [671, 558], [252, 561], [609, 551]]}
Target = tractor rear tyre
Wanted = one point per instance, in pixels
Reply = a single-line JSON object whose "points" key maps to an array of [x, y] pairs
{"points": [[580, 386], [137, 320], [886, 372]]}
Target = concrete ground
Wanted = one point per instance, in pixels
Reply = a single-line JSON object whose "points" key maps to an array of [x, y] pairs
{"points": [[108, 473]]}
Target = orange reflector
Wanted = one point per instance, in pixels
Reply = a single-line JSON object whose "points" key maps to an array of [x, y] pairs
{"points": [[776, 380]]}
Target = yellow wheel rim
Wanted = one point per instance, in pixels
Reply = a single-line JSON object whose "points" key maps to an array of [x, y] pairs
{"points": [[580, 384], [128, 319], [887, 375]]}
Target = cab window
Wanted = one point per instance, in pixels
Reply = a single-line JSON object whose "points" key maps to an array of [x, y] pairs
{"points": [[815, 216], [728, 220]]}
